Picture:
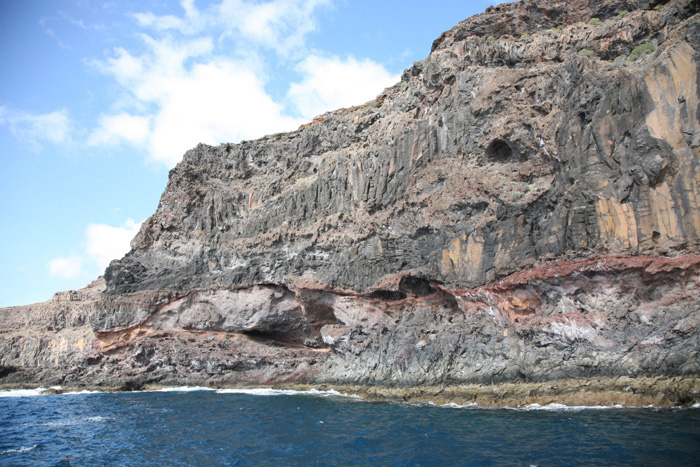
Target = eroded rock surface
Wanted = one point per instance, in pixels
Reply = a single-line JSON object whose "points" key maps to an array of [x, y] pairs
{"points": [[523, 205]]}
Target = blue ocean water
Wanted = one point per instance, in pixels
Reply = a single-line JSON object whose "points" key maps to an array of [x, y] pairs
{"points": [[267, 428]]}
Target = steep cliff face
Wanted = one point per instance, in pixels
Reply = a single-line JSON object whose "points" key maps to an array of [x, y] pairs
{"points": [[457, 228], [492, 154]]}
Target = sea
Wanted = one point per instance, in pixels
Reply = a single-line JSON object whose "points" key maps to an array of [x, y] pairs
{"points": [[265, 427]]}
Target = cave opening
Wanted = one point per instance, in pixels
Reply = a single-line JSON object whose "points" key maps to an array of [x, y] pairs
{"points": [[418, 286], [499, 150], [387, 295]]}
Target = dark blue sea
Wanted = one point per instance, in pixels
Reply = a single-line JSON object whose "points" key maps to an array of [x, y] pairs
{"points": [[283, 428]]}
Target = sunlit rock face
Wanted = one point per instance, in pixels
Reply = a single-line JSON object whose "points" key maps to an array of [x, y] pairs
{"points": [[523, 205]]}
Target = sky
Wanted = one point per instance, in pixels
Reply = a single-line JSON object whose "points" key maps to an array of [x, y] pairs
{"points": [[99, 99]]}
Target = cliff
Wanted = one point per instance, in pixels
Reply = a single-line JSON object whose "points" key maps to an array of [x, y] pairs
{"points": [[522, 206]]}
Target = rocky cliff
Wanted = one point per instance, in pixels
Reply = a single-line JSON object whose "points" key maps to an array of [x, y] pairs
{"points": [[523, 205]]}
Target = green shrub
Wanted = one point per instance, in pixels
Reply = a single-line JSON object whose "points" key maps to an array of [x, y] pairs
{"points": [[525, 36], [658, 7], [491, 38], [594, 22], [586, 53], [552, 30], [619, 60], [622, 14], [522, 186], [641, 49]]}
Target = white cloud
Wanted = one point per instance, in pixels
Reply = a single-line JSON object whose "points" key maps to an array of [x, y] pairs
{"points": [[35, 129], [280, 25], [66, 268], [191, 24], [123, 66], [206, 106], [331, 82], [105, 243], [159, 22], [114, 129], [213, 102], [202, 77], [188, 87]]}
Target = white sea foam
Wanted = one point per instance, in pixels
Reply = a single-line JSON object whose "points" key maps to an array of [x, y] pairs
{"points": [[254, 391], [71, 421], [20, 450], [182, 389], [554, 407], [454, 405], [288, 392], [43, 392], [22, 392], [60, 392], [98, 419], [261, 392], [79, 393]]}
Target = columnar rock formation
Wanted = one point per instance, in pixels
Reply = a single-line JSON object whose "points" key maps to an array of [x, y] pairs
{"points": [[523, 205]]}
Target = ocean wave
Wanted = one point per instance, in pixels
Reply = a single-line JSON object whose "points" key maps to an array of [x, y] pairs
{"points": [[20, 450], [181, 389], [98, 419], [51, 391], [289, 392], [454, 405], [74, 393], [554, 407], [70, 421], [57, 390], [23, 392]]}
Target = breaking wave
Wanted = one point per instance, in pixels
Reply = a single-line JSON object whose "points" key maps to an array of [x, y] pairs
{"points": [[70, 421], [20, 450], [288, 392], [554, 407], [51, 391], [23, 392], [181, 389]]}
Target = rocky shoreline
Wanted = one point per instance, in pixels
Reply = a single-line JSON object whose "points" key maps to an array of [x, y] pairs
{"points": [[620, 392], [680, 391]]}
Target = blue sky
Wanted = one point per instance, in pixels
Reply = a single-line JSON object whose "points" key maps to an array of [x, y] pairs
{"points": [[100, 99]]}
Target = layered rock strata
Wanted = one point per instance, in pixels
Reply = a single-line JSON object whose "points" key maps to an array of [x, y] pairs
{"points": [[523, 205]]}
